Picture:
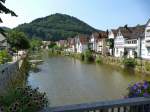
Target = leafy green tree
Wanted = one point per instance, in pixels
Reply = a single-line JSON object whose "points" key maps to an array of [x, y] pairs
{"points": [[35, 44], [4, 56], [52, 45], [18, 40], [5, 10]]}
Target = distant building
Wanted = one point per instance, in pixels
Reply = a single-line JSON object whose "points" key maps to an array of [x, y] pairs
{"points": [[111, 36], [81, 43], [93, 42], [128, 41], [62, 43], [102, 43], [70, 45]]}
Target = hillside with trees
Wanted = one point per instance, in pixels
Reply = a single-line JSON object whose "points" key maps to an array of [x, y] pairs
{"points": [[55, 27]]}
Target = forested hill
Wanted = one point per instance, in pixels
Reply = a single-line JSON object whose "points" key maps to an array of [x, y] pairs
{"points": [[55, 27]]}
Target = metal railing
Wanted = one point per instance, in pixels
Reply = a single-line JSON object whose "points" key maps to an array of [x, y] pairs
{"points": [[124, 105]]}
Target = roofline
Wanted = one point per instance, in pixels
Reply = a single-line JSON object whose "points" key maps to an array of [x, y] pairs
{"points": [[147, 22]]}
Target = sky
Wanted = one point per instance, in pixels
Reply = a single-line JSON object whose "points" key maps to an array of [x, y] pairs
{"points": [[100, 14]]}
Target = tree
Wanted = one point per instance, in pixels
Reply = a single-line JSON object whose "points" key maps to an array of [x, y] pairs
{"points": [[18, 40], [35, 44], [5, 10]]}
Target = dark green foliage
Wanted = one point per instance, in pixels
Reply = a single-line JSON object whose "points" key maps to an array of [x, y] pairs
{"points": [[99, 60], [35, 44], [5, 10], [147, 66], [135, 54], [52, 45], [55, 27], [4, 57], [23, 100], [18, 40], [129, 62], [125, 53], [110, 42], [88, 57]]}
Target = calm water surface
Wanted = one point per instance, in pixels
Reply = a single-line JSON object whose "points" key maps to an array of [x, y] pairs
{"points": [[69, 81]]}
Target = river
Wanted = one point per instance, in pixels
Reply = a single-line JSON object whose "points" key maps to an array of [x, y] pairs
{"points": [[70, 81]]}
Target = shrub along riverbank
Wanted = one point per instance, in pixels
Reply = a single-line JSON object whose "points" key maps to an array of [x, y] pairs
{"points": [[138, 65], [19, 97]]}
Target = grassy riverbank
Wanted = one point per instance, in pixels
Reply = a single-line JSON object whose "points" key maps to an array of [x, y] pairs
{"points": [[18, 97], [141, 66]]}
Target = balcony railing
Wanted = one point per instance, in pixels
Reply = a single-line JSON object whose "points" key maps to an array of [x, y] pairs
{"points": [[123, 105]]}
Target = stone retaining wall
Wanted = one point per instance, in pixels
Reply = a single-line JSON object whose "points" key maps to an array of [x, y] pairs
{"points": [[142, 66], [9, 72]]}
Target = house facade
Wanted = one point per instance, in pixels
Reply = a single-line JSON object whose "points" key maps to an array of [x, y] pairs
{"points": [[81, 43], [119, 43], [110, 44], [102, 43], [94, 41], [145, 52], [3, 42], [71, 45], [128, 41]]}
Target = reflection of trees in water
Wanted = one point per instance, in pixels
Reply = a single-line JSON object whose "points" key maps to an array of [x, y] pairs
{"points": [[35, 69]]}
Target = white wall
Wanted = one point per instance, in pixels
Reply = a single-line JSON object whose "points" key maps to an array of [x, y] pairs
{"points": [[94, 44], [145, 49], [119, 43], [111, 35], [81, 48]]}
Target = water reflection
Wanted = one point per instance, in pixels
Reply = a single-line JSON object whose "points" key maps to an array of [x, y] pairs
{"points": [[69, 81]]}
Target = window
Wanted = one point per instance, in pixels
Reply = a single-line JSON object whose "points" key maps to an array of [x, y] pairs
{"points": [[117, 51], [134, 42]]}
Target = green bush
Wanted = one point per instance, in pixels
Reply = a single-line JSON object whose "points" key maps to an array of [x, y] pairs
{"points": [[23, 100], [88, 56], [129, 62], [147, 66], [4, 57], [98, 60]]}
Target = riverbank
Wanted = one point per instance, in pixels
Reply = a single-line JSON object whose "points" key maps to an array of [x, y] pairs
{"points": [[13, 74], [140, 65], [15, 93]]}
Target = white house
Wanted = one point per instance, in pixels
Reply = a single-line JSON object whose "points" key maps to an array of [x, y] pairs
{"points": [[145, 53], [119, 43], [128, 41], [3, 42], [111, 36], [94, 42], [71, 45], [81, 43]]}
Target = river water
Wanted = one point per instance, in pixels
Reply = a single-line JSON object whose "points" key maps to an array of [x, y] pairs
{"points": [[70, 81]]}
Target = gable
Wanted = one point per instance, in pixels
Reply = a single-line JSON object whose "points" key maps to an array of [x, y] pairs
{"points": [[111, 35], [148, 23]]}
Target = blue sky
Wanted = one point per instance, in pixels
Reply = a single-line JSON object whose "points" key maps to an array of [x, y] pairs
{"points": [[101, 14]]}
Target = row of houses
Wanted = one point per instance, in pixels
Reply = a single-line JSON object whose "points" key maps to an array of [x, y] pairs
{"points": [[129, 41]]}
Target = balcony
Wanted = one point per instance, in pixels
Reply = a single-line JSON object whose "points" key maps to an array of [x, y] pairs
{"points": [[123, 105]]}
